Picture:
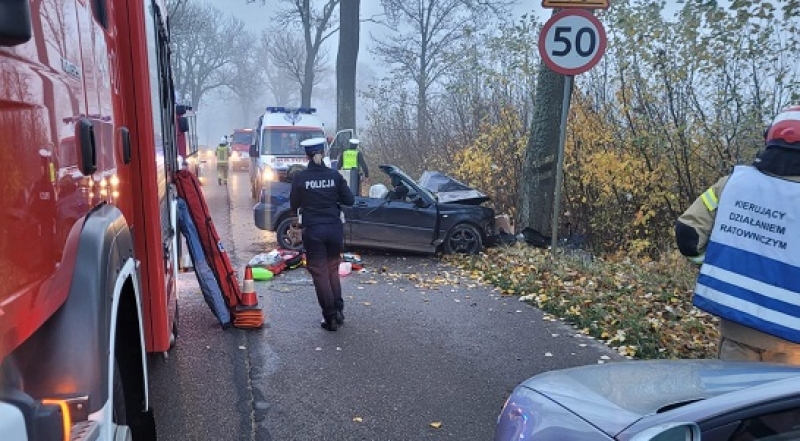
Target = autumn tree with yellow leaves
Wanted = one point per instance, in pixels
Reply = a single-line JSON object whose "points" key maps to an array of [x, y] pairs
{"points": [[683, 93]]}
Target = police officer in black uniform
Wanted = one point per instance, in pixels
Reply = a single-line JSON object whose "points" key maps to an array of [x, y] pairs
{"points": [[317, 194]]}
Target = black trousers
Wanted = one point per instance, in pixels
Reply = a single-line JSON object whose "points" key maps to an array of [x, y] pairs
{"points": [[323, 244]]}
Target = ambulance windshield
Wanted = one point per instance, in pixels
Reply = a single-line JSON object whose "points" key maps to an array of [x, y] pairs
{"points": [[286, 141]]}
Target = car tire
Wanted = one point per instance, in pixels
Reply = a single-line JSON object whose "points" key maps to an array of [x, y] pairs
{"points": [[463, 239], [282, 234]]}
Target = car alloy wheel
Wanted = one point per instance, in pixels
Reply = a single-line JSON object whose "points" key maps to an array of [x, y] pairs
{"points": [[282, 235], [464, 239]]}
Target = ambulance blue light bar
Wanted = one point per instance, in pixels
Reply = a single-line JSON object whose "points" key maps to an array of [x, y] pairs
{"points": [[305, 110]]}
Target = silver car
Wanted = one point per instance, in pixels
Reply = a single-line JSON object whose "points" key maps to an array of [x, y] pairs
{"points": [[661, 400]]}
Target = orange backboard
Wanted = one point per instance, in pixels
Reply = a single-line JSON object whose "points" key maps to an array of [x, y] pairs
{"points": [[584, 4]]}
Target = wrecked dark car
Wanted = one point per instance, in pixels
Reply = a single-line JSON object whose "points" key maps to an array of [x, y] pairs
{"points": [[436, 214]]}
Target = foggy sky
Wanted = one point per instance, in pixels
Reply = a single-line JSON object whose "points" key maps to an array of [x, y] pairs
{"points": [[218, 117]]}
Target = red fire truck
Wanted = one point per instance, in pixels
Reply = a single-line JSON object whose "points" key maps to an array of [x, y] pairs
{"points": [[87, 216], [241, 140]]}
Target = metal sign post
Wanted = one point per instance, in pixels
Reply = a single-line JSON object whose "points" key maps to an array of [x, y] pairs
{"points": [[570, 43]]}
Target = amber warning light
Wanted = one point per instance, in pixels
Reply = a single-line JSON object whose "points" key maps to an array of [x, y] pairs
{"points": [[66, 418]]}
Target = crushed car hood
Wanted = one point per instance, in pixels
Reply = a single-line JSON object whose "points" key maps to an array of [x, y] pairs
{"points": [[449, 190]]}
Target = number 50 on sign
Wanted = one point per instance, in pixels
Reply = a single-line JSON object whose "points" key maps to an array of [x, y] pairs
{"points": [[572, 42]]}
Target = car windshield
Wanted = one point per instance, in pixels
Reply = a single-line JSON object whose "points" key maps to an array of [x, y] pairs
{"points": [[286, 141], [408, 180], [242, 138]]}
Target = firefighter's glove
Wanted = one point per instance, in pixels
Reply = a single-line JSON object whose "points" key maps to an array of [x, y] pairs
{"points": [[697, 260]]}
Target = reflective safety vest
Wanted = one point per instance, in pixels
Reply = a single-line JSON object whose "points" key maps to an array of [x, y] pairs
{"points": [[350, 159], [222, 154], [752, 265]]}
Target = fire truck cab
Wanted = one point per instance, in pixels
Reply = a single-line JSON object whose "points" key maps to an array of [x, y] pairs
{"points": [[87, 216], [240, 140]]}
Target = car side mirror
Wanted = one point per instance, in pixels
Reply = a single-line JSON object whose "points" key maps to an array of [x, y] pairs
{"points": [[670, 432], [254, 151], [420, 203], [15, 23]]}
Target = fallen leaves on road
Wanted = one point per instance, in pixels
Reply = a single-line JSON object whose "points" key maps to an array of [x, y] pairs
{"points": [[641, 309], [358, 419], [436, 424], [438, 280]]}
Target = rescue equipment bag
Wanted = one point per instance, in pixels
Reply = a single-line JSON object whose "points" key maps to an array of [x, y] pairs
{"points": [[189, 190]]}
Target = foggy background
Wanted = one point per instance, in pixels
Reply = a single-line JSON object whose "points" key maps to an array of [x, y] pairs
{"points": [[219, 113]]}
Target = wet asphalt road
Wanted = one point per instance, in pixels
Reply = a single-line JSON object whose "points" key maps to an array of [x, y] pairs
{"points": [[414, 351]]}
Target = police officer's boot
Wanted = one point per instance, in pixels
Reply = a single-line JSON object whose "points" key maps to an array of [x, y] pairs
{"points": [[329, 324]]}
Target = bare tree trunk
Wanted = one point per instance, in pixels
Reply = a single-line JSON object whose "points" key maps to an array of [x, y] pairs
{"points": [[422, 114], [346, 62], [307, 85], [539, 168]]}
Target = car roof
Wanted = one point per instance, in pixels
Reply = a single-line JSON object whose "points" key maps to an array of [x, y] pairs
{"points": [[613, 396]]}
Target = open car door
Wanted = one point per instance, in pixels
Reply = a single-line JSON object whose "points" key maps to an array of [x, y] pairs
{"points": [[389, 222]]}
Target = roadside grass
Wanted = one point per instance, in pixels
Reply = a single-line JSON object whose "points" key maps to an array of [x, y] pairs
{"points": [[641, 308]]}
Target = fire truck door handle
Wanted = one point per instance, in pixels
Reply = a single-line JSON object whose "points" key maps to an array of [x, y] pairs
{"points": [[88, 151], [125, 134], [15, 22]]}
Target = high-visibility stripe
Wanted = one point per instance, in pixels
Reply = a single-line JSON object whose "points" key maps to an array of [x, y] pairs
{"points": [[710, 199], [746, 313], [728, 261], [757, 292]]}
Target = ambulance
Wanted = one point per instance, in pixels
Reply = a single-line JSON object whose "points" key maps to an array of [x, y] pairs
{"points": [[276, 147]]}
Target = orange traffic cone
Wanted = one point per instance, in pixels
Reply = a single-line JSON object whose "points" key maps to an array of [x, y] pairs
{"points": [[248, 314]]}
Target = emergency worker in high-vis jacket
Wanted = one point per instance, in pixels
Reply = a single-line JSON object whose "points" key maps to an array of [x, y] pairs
{"points": [[317, 194], [745, 230], [353, 158], [223, 153]]}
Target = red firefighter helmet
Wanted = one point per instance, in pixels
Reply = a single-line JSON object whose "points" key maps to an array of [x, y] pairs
{"points": [[785, 129]]}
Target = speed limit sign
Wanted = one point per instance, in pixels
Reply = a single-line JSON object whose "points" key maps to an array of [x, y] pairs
{"points": [[572, 42]]}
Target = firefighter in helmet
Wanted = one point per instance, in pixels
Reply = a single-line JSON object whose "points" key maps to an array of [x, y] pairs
{"points": [[745, 231], [352, 158], [223, 154]]}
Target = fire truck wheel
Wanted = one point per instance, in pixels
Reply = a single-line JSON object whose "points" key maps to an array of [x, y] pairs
{"points": [[118, 404], [173, 336], [120, 419]]}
